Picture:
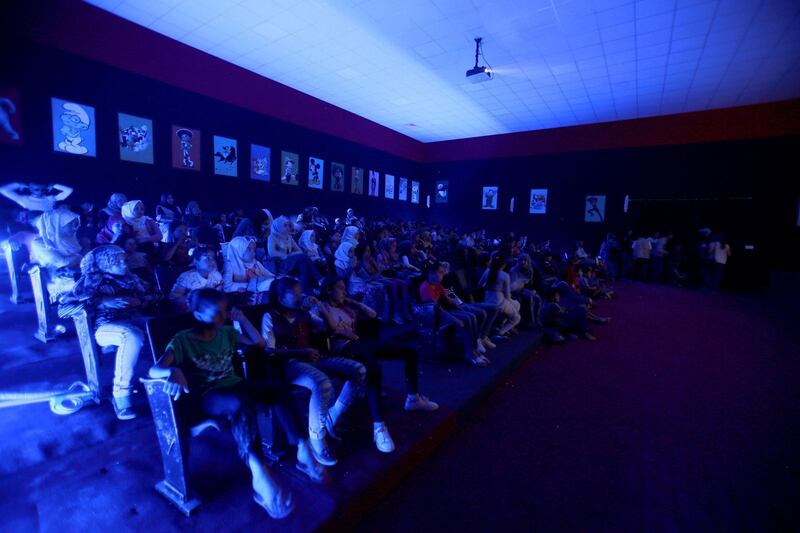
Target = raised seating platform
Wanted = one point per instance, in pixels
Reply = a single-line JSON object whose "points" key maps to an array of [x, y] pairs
{"points": [[90, 471]]}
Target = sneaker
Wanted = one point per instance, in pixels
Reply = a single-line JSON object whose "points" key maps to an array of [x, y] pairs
{"points": [[420, 403], [123, 408], [330, 428], [383, 441], [588, 337], [322, 454], [488, 343]]}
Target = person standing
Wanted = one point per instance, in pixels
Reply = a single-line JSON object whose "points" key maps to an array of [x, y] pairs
{"points": [[641, 257], [719, 251]]}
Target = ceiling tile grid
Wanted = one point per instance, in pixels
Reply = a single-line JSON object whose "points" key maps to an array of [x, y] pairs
{"points": [[556, 62]]}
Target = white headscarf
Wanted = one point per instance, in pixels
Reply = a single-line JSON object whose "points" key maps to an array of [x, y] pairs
{"points": [[342, 259], [308, 245], [51, 226], [139, 224], [235, 255], [349, 235]]}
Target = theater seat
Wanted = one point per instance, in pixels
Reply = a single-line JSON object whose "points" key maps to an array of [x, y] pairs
{"points": [[46, 313], [14, 262]]}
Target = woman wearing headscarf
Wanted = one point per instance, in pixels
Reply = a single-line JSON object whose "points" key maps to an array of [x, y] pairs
{"points": [[57, 248], [117, 298], [166, 213], [244, 274], [308, 244], [193, 216], [113, 208], [289, 258], [145, 228]]}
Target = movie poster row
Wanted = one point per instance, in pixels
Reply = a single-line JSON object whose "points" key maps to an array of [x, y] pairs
{"points": [[74, 132]]}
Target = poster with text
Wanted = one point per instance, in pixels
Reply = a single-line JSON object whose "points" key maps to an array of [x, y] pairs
{"points": [[538, 202], [73, 128], [357, 181], [595, 209], [316, 172], [402, 189], [489, 198], [135, 138], [290, 163], [442, 192], [10, 116], [226, 156], [374, 183], [388, 187], [259, 162], [185, 148], [414, 192], [337, 177]]}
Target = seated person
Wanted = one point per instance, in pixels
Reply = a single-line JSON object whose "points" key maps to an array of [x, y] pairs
{"points": [[57, 249], [118, 299], [308, 244], [497, 283], [176, 245], [287, 329], [282, 246], [413, 259], [389, 260], [243, 273], [523, 287], [35, 196], [112, 209], [397, 291], [341, 315], [137, 261], [199, 361], [167, 212], [468, 320], [204, 275], [144, 228], [115, 231], [566, 320]]}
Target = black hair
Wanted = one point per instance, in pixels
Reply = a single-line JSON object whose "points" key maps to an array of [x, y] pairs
{"points": [[497, 263], [326, 286], [360, 249], [432, 267], [198, 297], [280, 286], [199, 251]]}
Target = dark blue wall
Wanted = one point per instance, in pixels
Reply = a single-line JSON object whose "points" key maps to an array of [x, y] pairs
{"points": [[40, 73]]}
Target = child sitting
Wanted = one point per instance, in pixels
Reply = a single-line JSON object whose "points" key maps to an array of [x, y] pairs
{"points": [[204, 275]]}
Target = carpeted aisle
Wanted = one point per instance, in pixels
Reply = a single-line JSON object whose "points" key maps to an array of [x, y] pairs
{"points": [[684, 415]]}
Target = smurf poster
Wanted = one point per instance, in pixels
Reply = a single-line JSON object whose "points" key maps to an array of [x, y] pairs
{"points": [[402, 189], [357, 181], [388, 187], [226, 156], [414, 192], [185, 148], [316, 172], [135, 139], [10, 116], [259, 162], [337, 177], [73, 128]]}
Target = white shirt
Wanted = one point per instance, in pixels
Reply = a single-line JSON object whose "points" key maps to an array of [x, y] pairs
{"points": [[720, 253], [192, 280], [641, 248]]}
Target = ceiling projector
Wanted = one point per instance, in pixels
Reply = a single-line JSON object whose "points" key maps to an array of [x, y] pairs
{"points": [[477, 73]]}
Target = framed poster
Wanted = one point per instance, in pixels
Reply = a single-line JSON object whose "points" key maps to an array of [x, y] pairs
{"points": [[374, 182], [185, 148], [226, 156], [259, 162], [10, 116], [316, 172], [595, 209], [290, 163], [402, 189], [441, 192], [337, 177], [538, 205], [388, 186], [414, 192], [489, 198], [73, 128], [135, 138], [357, 181]]}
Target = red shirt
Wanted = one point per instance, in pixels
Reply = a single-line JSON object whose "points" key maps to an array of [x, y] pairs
{"points": [[431, 292]]}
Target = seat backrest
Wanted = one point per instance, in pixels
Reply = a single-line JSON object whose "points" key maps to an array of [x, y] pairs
{"points": [[415, 283], [166, 277], [161, 329]]}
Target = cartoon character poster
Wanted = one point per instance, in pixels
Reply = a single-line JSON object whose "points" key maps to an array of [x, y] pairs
{"points": [[388, 187], [185, 148], [538, 202], [316, 172], [226, 156], [414, 192], [441, 192], [10, 116], [357, 181], [337, 177], [73, 128], [374, 181], [402, 189], [290, 163], [489, 198], [135, 138], [259, 162], [595, 209]]}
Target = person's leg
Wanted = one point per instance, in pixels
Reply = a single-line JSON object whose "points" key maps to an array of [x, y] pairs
{"points": [[410, 360], [463, 331], [129, 341], [355, 376], [307, 376]]}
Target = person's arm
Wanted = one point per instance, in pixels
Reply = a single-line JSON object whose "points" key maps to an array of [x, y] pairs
{"points": [[176, 381], [365, 310], [333, 325], [250, 336], [64, 192], [229, 284], [507, 286], [9, 190], [272, 248], [293, 247], [484, 278]]}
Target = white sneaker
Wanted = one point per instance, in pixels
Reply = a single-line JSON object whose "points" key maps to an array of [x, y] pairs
{"points": [[420, 403], [383, 441], [488, 343], [481, 348]]}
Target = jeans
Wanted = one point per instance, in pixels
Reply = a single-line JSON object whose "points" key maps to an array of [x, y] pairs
{"points": [[314, 378], [242, 403], [470, 331], [129, 340]]}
